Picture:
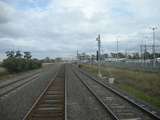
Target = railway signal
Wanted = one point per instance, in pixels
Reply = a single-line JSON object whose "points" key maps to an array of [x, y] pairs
{"points": [[117, 48], [99, 55]]}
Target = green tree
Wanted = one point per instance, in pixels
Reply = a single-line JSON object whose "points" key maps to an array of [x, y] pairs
{"points": [[136, 55], [10, 54], [27, 55], [18, 54], [114, 55], [15, 62], [121, 55]]}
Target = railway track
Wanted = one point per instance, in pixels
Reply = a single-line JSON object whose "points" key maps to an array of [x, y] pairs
{"points": [[120, 107], [9, 87], [51, 103], [81, 104]]}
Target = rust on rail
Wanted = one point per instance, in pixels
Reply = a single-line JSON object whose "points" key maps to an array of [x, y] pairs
{"points": [[51, 104]]}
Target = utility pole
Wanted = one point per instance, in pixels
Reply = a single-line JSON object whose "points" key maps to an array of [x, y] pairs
{"points": [[126, 54], [117, 48], [99, 55], [145, 51], [141, 56], [153, 47], [77, 57], [102, 55], [77, 54]]}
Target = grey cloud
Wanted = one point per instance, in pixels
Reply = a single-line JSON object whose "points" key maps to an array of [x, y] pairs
{"points": [[61, 29], [5, 12]]}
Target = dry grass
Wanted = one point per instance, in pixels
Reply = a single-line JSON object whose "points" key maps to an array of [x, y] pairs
{"points": [[143, 85], [3, 71], [149, 81]]}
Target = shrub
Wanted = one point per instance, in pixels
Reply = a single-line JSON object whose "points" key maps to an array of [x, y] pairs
{"points": [[18, 64]]}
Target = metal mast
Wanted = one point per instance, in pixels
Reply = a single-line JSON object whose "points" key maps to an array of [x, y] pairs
{"points": [[153, 47], [99, 55], [117, 48]]}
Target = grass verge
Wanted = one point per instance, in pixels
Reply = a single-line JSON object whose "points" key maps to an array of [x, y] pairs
{"points": [[142, 85], [3, 72]]}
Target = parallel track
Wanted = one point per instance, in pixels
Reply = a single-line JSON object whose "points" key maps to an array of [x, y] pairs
{"points": [[7, 88], [51, 103], [119, 106]]}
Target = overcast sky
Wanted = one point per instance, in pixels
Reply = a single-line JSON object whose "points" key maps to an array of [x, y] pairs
{"points": [[60, 27]]}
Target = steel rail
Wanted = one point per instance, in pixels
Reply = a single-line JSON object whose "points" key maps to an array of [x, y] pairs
{"points": [[40, 96], [150, 113], [66, 77], [18, 86], [20, 79], [113, 115]]}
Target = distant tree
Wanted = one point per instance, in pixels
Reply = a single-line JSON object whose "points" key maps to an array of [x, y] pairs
{"points": [[157, 55], [147, 55], [121, 55], [87, 57], [113, 55], [83, 56], [129, 56], [10, 54], [18, 54], [136, 56], [105, 55], [151, 56], [52, 60], [47, 59], [93, 57], [27, 55], [58, 59], [15, 63]]}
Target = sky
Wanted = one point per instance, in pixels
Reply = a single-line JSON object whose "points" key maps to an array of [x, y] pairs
{"points": [[58, 28]]}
